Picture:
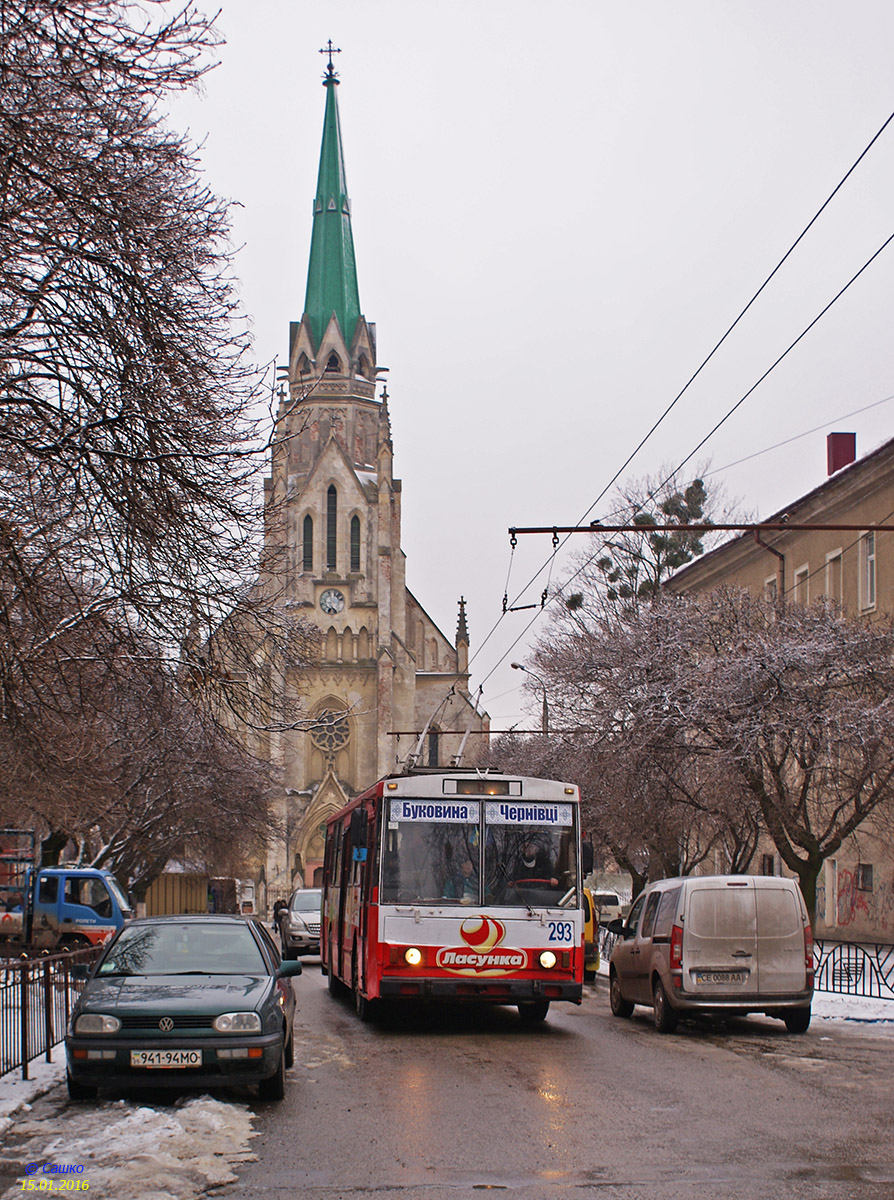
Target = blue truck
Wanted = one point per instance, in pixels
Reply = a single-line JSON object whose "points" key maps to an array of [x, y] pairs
{"points": [[54, 908]]}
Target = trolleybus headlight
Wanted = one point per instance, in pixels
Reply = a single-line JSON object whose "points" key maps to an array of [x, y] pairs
{"points": [[413, 956], [547, 959]]}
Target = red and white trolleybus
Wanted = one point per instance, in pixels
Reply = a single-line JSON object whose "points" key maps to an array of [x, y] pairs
{"points": [[455, 884]]}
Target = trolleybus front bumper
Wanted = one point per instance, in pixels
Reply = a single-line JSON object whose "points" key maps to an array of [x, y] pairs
{"points": [[497, 991]]}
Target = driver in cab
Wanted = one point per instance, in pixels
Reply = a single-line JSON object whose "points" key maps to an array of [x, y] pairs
{"points": [[533, 866]]}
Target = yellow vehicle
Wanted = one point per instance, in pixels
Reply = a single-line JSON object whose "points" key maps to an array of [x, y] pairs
{"points": [[591, 937]]}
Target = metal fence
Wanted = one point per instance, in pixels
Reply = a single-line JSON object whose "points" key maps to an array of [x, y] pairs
{"points": [[854, 969], [846, 968], [36, 997]]}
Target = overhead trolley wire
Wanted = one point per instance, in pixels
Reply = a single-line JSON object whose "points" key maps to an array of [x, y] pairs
{"points": [[689, 383]]}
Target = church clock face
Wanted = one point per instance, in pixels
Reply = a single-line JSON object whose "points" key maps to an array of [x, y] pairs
{"points": [[332, 601]]}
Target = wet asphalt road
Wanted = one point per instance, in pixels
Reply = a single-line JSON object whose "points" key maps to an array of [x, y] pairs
{"points": [[440, 1105]]}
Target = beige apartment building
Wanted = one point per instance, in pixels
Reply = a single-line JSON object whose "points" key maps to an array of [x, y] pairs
{"points": [[854, 566]]}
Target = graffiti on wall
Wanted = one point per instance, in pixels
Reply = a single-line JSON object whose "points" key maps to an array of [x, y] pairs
{"points": [[859, 907]]}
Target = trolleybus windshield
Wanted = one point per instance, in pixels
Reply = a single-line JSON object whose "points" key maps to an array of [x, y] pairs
{"points": [[432, 853]]}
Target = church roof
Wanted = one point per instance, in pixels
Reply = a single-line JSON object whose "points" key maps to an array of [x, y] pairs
{"points": [[332, 272]]}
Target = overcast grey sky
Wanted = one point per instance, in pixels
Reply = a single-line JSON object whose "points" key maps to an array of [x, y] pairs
{"points": [[557, 210]]}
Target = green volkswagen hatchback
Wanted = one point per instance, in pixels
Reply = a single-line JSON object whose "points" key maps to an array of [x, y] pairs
{"points": [[184, 1002]]}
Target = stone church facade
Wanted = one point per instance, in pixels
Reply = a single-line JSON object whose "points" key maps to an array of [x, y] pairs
{"points": [[385, 672]]}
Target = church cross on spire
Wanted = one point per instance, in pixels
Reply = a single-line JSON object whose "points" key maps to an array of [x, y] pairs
{"points": [[332, 272], [329, 49]]}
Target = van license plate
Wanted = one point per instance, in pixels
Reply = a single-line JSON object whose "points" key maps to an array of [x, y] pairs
{"points": [[166, 1058], [721, 976]]}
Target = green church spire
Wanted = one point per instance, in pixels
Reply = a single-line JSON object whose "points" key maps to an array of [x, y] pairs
{"points": [[332, 272]]}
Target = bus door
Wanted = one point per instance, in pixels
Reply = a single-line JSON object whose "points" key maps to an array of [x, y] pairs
{"points": [[335, 899], [357, 870]]}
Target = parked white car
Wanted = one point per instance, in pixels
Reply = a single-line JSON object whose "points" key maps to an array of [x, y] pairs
{"points": [[608, 905]]}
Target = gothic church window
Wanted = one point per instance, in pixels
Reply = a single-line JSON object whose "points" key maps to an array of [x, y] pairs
{"points": [[307, 561], [434, 748], [331, 530], [355, 544], [330, 734], [333, 364]]}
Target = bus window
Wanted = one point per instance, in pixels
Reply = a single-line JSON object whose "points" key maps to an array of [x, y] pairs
{"points": [[437, 861]]}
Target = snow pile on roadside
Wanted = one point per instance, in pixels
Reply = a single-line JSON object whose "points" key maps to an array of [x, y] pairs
{"points": [[136, 1152], [838, 1006]]}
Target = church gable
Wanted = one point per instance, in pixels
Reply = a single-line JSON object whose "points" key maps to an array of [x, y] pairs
{"points": [[433, 651]]}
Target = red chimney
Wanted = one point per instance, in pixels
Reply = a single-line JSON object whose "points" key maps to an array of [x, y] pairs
{"points": [[841, 449]]}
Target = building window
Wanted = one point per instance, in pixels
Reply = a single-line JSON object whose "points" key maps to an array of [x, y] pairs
{"points": [[768, 864], [834, 577], [863, 877], [331, 538], [330, 733], [307, 560], [434, 747], [771, 590], [867, 556], [333, 365], [355, 544], [802, 576]]}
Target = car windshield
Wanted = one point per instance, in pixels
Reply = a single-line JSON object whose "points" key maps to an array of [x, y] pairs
{"points": [[187, 948], [307, 901]]}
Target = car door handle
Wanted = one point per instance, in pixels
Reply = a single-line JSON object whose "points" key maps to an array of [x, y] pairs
{"points": [[740, 954]]}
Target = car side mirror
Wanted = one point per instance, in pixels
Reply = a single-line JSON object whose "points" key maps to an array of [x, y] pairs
{"points": [[80, 971], [617, 927], [288, 967]]}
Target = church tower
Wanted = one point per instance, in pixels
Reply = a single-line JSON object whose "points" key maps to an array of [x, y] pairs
{"points": [[385, 673]]}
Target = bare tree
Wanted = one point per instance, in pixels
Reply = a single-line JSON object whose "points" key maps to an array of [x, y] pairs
{"points": [[128, 771], [749, 717], [128, 444]]}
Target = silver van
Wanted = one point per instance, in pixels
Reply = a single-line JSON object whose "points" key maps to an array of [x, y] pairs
{"points": [[720, 944]]}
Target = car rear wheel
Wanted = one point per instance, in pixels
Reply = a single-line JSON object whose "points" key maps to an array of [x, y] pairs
{"points": [[620, 1007], [80, 1091], [274, 1087], [665, 1017], [533, 1011], [797, 1020]]}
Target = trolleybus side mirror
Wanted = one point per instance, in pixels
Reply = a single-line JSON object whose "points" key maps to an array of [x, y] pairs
{"points": [[586, 857]]}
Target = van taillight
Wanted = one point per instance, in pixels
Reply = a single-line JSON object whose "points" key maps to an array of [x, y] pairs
{"points": [[808, 953], [676, 951]]}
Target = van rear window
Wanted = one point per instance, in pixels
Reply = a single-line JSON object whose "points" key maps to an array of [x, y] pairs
{"points": [[722, 912], [777, 913]]}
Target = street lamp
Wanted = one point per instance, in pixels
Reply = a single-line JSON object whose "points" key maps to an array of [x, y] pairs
{"points": [[544, 719]]}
